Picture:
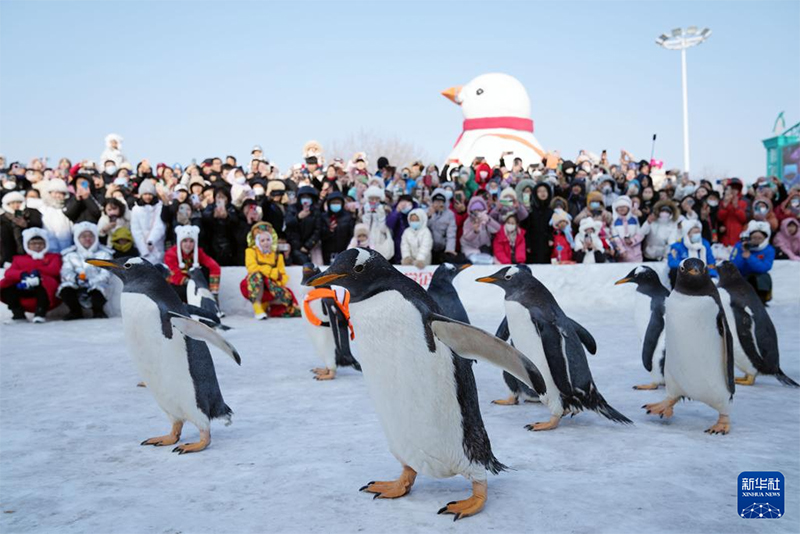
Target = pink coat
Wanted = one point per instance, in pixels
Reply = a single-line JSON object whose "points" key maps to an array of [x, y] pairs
{"points": [[789, 244]]}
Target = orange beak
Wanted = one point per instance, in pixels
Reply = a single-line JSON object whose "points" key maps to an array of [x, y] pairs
{"points": [[452, 93]]}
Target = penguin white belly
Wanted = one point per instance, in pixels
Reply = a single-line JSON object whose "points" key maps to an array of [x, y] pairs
{"points": [[192, 296], [658, 358], [526, 340], [162, 363], [739, 356], [321, 337], [413, 390], [694, 366]]}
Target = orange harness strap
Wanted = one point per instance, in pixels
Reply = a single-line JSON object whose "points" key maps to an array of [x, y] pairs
{"points": [[327, 293]]}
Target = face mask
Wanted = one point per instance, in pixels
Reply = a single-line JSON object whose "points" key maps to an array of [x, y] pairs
{"points": [[448, 194], [510, 227], [526, 198], [463, 178], [607, 189], [762, 210], [258, 191], [713, 203], [239, 180], [795, 203], [664, 216], [373, 204], [405, 210], [415, 225], [484, 174], [336, 208], [695, 238], [111, 170], [594, 205], [507, 202], [352, 192], [305, 201], [492, 191]]}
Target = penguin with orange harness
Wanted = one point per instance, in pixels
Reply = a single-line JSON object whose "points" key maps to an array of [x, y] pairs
{"points": [[328, 321]]}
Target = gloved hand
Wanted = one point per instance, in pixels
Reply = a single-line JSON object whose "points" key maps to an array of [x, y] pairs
{"points": [[29, 281]]}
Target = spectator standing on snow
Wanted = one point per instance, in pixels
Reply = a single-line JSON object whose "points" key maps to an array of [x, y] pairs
{"points": [[753, 256], [146, 225]]}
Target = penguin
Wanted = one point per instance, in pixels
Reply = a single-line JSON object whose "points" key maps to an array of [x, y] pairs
{"points": [[699, 361], [648, 309], [169, 350], [516, 387], [555, 343], [755, 343], [424, 393], [328, 325], [199, 295], [441, 289]]}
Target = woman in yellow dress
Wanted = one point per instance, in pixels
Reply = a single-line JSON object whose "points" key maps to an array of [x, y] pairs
{"points": [[265, 284]]}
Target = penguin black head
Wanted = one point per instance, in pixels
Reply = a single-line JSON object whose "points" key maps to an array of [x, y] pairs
{"points": [[693, 277], [131, 271], [446, 272], [728, 274], [646, 280], [309, 270], [510, 278], [361, 271]]}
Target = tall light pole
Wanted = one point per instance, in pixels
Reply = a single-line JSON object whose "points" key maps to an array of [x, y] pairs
{"points": [[680, 39]]}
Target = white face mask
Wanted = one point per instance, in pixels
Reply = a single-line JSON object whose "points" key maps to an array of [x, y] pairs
{"points": [[111, 170], [484, 174], [663, 216], [511, 228]]}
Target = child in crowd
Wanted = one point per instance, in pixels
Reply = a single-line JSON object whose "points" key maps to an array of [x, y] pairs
{"points": [[561, 242], [416, 244], [788, 240], [84, 285], [589, 246], [30, 283], [265, 284], [479, 228], [186, 255], [691, 245], [753, 256], [509, 242], [625, 231], [360, 237]]}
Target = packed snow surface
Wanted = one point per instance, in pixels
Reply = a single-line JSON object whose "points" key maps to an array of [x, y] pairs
{"points": [[72, 418]]}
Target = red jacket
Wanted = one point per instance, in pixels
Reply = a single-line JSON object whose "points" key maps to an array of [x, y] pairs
{"points": [[560, 240], [180, 276], [49, 269], [502, 247], [733, 217], [460, 218]]}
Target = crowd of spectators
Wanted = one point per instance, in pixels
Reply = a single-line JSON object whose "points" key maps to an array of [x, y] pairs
{"points": [[586, 210]]}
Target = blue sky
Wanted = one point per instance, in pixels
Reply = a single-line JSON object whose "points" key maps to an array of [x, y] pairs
{"points": [[180, 80]]}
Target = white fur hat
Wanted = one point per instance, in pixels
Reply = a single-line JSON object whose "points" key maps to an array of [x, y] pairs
{"points": [[30, 233], [13, 196], [374, 191], [688, 224], [57, 185], [187, 231], [757, 226], [624, 200], [587, 223], [82, 227]]}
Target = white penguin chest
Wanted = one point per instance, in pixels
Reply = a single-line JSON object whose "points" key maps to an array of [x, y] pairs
{"points": [[694, 366], [321, 337], [413, 389]]}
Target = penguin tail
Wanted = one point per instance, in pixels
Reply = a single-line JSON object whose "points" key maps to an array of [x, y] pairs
{"points": [[785, 380], [494, 466], [599, 404], [226, 415], [223, 327], [346, 359]]}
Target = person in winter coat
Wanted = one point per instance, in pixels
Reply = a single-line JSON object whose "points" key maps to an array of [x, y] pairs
{"points": [[762, 211], [271, 205], [561, 240], [397, 222], [508, 203], [14, 220], [753, 256], [186, 255], [30, 283], [538, 232], [509, 245], [788, 240], [789, 208], [479, 230], [146, 225], [442, 224], [691, 245], [83, 206], [416, 244], [121, 242], [265, 285], [625, 231], [115, 215], [659, 229], [304, 225], [732, 214], [589, 247], [82, 284], [607, 187], [577, 198], [596, 208], [220, 221], [360, 237], [373, 215], [113, 150], [54, 220], [337, 227]]}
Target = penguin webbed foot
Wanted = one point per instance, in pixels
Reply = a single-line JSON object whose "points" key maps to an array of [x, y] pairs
{"points": [[392, 489], [646, 387], [470, 506], [327, 374], [722, 426], [170, 439], [662, 409], [546, 425], [185, 448], [746, 380], [510, 401]]}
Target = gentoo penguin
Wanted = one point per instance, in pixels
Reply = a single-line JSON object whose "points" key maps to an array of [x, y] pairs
{"points": [[755, 343], [516, 387], [441, 290], [423, 392], [648, 312], [328, 324], [699, 362], [169, 350], [199, 295], [554, 343], [497, 120]]}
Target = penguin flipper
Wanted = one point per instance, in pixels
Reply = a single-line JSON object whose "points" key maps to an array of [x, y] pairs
{"points": [[467, 340], [654, 329], [202, 313], [197, 330], [585, 337], [502, 331], [727, 350]]}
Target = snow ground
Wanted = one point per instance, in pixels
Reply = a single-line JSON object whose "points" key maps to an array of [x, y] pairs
{"points": [[72, 419]]}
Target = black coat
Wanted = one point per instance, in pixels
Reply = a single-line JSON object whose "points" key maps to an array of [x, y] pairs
{"points": [[11, 234], [537, 228], [88, 209], [303, 232], [273, 214], [220, 235], [336, 240]]}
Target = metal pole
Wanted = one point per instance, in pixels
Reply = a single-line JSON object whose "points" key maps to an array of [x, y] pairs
{"points": [[685, 113]]}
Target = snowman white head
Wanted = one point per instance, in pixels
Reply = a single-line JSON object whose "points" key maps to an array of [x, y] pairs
{"points": [[491, 95]]}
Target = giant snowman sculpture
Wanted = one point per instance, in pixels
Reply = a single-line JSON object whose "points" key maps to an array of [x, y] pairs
{"points": [[497, 119]]}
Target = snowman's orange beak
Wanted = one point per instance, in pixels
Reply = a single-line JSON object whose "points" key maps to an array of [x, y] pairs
{"points": [[452, 93]]}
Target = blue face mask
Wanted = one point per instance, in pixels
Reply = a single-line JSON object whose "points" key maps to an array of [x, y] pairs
{"points": [[448, 194], [695, 238], [594, 205], [352, 192], [405, 210], [415, 225], [336, 208], [305, 201]]}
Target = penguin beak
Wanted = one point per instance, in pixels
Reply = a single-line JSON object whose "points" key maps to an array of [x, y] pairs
{"points": [[464, 266], [623, 281], [452, 94], [323, 279], [487, 280], [694, 272], [105, 264]]}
